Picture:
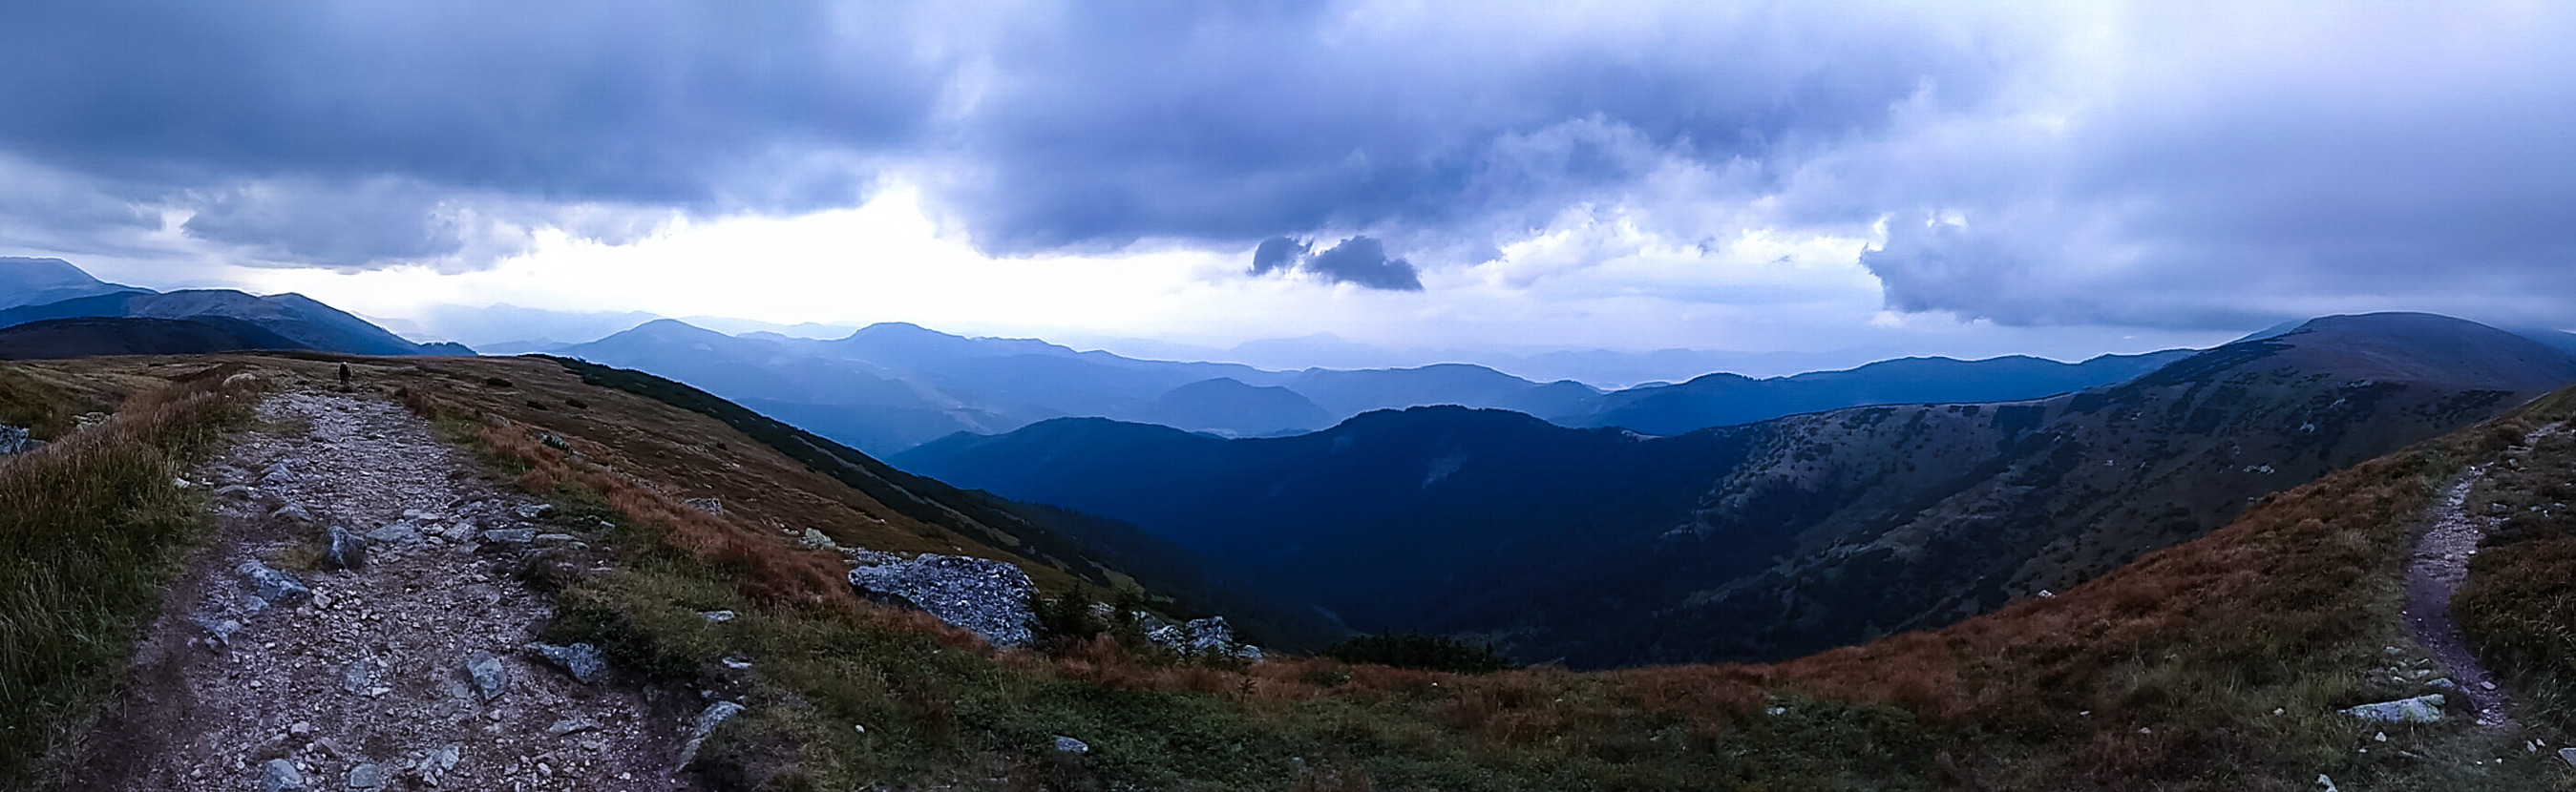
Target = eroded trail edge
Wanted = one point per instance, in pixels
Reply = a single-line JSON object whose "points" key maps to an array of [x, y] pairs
{"points": [[2434, 572], [413, 670]]}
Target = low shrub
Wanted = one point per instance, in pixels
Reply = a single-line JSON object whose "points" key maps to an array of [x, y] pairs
{"points": [[1415, 650]]}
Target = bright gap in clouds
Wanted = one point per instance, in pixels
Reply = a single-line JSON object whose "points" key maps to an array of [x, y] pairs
{"points": [[1586, 282]]}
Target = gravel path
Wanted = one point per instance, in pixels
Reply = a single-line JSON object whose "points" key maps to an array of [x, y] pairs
{"points": [[2433, 574], [365, 682]]}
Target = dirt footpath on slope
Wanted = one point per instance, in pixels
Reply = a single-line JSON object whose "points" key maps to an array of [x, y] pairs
{"points": [[2434, 573], [364, 682]]}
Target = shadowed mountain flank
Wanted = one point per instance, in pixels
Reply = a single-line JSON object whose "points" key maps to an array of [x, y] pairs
{"points": [[87, 336], [296, 317]]}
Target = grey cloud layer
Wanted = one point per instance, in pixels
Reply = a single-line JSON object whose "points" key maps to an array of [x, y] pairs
{"points": [[2404, 159], [351, 133], [1039, 125], [2158, 164]]}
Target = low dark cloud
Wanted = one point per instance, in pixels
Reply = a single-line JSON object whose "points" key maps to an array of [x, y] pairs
{"points": [[1362, 261], [353, 226], [1359, 261], [1278, 254]]}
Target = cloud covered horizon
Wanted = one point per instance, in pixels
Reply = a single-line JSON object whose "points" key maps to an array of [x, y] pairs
{"points": [[2174, 166]]}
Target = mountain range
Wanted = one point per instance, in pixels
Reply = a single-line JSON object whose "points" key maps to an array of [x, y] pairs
{"points": [[1763, 540], [888, 387], [37, 290]]}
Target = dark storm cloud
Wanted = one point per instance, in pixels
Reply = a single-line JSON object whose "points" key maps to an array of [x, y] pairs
{"points": [[624, 101], [2174, 165], [1240, 122], [1039, 126], [1359, 261]]}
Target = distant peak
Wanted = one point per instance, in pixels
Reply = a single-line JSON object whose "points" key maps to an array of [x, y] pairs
{"points": [[671, 326], [42, 273]]}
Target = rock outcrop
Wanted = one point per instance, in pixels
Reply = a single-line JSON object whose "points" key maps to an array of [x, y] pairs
{"points": [[988, 598]]}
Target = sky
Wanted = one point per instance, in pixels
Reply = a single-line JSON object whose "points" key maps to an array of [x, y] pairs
{"points": [[1972, 179]]}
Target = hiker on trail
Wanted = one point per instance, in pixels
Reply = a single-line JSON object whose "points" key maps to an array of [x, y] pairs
{"points": [[344, 375]]}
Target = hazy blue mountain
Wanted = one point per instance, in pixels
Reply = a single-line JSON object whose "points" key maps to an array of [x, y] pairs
{"points": [[1722, 399], [37, 281], [1767, 539], [903, 384], [502, 328], [1223, 404], [911, 347], [958, 383], [293, 316], [730, 325], [854, 402], [1349, 393], [1599, 367]]}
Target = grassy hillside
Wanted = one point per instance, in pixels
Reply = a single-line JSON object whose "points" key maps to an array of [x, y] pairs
{"points": [[2213, 665]]}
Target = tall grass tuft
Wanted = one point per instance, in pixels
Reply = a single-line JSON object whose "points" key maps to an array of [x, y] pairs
{"points": [[91, 527]]}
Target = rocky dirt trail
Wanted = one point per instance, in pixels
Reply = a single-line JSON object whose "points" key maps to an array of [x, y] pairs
{"points": [[414, 670], [2433, 574]]}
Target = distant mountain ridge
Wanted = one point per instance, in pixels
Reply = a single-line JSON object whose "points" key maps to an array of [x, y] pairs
{"points": [[888, 387], [35, 290], [1774, 538], [36, 281]]}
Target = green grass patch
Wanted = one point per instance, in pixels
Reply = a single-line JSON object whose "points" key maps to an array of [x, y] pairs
{"points": [[91, 528]]}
